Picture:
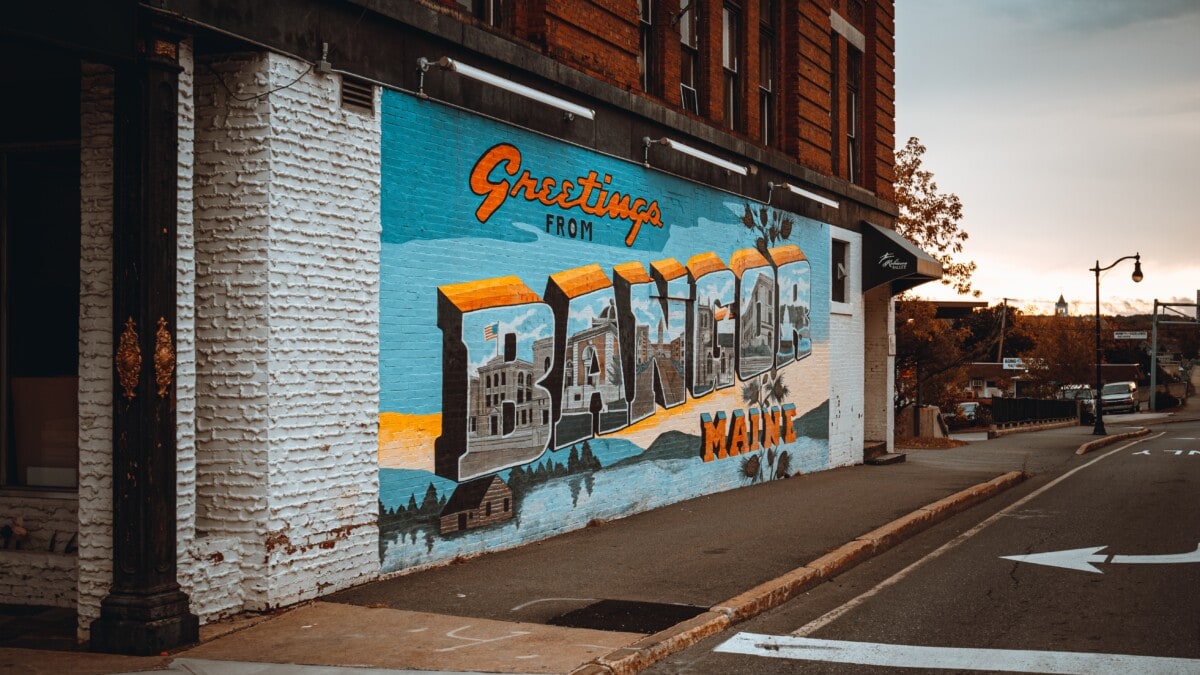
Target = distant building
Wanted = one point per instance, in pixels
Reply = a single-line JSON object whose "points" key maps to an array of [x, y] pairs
{"points": [[1060, 307]]}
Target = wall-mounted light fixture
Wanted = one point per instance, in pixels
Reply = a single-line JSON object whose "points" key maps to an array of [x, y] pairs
{"points": [[802, 192], [693, 152], [571, 109]]}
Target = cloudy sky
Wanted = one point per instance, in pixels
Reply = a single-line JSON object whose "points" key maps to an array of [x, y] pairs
{"points": [[1070, 129]]}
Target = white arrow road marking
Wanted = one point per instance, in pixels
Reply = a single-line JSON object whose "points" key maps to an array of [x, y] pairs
{"points": [[907, 656], [1082, 558]]}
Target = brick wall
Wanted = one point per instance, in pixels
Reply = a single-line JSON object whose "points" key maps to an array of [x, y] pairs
{"points": [[881, 101], [95, 342], [230, 232], [879, 356], [846, 340], [324, 344], [598, 37], [807, 102], [601, 38], [287, 237], [41, 571]]}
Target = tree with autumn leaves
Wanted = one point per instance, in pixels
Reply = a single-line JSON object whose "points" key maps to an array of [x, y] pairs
{"points": [[931, 354], [930, 218]]}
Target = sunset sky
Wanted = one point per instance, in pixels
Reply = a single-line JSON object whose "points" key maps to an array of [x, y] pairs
{"points": [[1071, 132]]}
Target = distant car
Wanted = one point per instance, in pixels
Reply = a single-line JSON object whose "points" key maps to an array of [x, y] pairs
{"points": [[1082, 393], [1120, 397], [967, 410]]}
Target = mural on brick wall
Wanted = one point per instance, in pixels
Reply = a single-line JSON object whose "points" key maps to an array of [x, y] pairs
{"points": [[566, 337]]}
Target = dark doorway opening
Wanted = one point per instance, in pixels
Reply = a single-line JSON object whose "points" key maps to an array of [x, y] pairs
{"points": [[39, 267]]}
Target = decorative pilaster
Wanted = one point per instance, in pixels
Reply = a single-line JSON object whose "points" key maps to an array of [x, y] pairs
{"points": [[145, 611]]}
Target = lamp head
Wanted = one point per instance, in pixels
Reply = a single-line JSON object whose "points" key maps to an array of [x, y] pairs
{"points": [[1137, 268]]}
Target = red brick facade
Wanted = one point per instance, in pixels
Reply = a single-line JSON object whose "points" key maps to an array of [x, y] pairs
{"points": [[812, 55]]}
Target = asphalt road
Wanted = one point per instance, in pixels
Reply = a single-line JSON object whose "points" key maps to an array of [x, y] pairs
{"points": [[1126, 600]]}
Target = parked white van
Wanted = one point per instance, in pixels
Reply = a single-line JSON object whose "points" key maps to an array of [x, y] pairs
{"points": [[1120, 397]]}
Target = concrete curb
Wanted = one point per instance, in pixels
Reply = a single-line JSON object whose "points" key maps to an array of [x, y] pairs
{"points": [[995, 432], [643, 654], [1109, 440]]}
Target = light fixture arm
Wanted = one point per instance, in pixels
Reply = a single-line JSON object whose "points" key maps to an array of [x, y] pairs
{"points": [[731, 167], [1137, 265], [570, 110], [825, 201]]}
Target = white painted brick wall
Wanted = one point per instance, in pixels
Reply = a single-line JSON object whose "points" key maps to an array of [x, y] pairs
{"points": [[38, 578], [880, 374], [185, 318], [214, 577], [324, 343], [231, 243], [95, 342], [846, 339], [209, 567], [287, 267], [40, 572]]}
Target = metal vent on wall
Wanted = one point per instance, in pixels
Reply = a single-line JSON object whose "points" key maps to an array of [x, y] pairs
{"points": [[358, 95]]}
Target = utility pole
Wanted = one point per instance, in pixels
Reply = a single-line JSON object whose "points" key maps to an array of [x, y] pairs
{"points": [[1003, 321]]}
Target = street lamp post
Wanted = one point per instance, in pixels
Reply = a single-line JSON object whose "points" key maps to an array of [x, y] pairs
{"points": [[1099, 430]]}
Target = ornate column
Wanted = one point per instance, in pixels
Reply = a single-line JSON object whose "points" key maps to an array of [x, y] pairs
{"points": [[145, 611]]}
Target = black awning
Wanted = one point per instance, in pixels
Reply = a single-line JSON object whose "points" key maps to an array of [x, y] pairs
{"points": [[889, 257]]}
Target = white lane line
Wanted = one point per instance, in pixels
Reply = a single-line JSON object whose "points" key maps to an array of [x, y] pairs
{"points": [[833, 615], [907, 656]]}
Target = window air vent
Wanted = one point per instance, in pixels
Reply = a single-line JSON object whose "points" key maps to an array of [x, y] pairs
{"points": [[358, 95]]}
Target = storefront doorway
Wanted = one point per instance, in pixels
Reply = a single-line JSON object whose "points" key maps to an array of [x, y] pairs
{"points": [[39, 275]]}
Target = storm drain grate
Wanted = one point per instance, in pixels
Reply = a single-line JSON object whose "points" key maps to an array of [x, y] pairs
{"points": [[627, 616]]}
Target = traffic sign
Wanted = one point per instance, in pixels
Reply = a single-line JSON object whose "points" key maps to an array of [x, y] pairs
{"points": [[1014, 364], [1129, 335]]}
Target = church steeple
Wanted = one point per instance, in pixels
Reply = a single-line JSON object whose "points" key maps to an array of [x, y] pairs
{"points": [[1060, 307]]}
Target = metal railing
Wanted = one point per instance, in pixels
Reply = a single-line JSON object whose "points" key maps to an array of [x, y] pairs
{"points": [[1015, 410]]}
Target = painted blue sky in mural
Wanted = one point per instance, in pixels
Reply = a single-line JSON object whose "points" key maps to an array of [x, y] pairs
{"points": [[588, 307], [647, 310], [432, 227]]}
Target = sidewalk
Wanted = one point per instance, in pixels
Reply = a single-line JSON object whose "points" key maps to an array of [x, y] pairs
{"points": [[613, 597]]}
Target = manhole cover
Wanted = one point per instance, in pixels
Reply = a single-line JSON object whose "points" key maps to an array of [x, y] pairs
{"points": [[627, 616]]}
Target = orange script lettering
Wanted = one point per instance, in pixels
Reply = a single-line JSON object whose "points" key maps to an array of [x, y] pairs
{"points": [[589, 193]]}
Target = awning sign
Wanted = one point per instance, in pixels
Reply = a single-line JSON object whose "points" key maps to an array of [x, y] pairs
{"points": [[889, 257]]}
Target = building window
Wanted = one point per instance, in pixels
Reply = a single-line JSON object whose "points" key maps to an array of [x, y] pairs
{"points": [[730, 50], [838, 267], [647, 47], [689, 64], [854, 114], [766, 75], [497, 13]]}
